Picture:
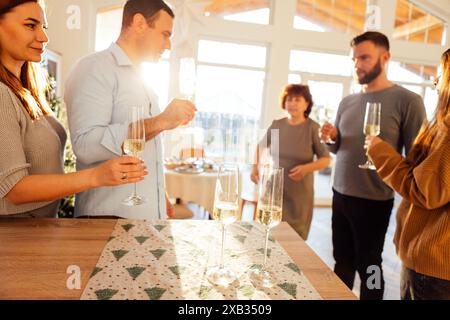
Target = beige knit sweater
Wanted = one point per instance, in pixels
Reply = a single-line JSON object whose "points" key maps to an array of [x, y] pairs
{"points": [[27, 147], [422, 237]]}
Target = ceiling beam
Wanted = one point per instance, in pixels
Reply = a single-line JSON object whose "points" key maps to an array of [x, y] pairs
{"points": [[416, 26], [221, 7]]}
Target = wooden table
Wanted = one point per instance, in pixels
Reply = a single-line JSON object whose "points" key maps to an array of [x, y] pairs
{"points": [[35, 255]]}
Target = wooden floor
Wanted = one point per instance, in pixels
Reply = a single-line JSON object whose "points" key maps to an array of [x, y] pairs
{"points": [[320, 241]]}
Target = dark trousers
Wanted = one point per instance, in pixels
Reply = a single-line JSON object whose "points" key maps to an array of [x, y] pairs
{"points": [[359, 227], [417, 286]]}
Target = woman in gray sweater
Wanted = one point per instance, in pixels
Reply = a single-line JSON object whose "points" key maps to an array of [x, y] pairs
{"points": [[32, 141]]}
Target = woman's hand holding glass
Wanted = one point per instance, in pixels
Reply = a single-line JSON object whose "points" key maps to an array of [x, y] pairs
{"points": [[371, 142], [135, 145], [118, 171], [371, 128]]}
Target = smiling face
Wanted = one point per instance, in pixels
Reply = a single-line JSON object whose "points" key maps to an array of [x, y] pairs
{"points": [[22, 34], [296, 105], [154, 39], [369, 61]]}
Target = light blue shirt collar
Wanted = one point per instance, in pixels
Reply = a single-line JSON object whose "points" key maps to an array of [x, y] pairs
{"points": [[120, 56]]}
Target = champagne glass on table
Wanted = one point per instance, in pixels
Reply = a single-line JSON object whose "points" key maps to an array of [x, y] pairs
{"points": [[134, 145], [226, 211], [371, 128], [269, 214]]}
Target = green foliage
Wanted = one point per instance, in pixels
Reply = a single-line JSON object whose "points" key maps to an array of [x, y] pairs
{"points": [[67, 206]]}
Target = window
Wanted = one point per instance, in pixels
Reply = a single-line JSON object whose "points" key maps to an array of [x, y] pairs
{"points": [[229, 95], [324, 63], [231, 54], [411, 73], [329, 77], [416, 78], [430, 101], [414, 24], [343, 16], [330, 101], [243, 11], [108, 26], [156, 76]]}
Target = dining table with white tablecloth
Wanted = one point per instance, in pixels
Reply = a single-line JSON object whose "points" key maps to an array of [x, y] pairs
{"points": [[198, 188]]}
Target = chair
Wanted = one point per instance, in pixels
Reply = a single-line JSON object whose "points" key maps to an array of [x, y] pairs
{"points": [[182, 212]]}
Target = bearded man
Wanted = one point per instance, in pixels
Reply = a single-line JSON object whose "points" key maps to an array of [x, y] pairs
{"points": [[362, 203]]}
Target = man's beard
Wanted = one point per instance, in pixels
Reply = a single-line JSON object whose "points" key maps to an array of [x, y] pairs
{"points": [[372, 74]]}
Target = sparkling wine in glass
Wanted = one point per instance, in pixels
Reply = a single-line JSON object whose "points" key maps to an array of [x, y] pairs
{"points": [[325, 115], [371, 128], [134, 145], [226, 211], [269, 214]]}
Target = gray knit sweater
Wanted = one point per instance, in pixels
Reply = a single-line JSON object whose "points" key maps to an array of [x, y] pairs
{"points": [[402, 115], [27, 147]]}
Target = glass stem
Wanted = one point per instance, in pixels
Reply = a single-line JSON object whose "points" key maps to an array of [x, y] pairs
{"points": [[265, 248], [135, 190], [369, 162], [223, 242]]}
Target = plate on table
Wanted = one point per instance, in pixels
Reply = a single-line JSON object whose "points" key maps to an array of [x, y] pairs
{"points": [[189, 169]]}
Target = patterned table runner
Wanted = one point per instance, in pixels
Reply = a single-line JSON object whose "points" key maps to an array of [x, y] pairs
{"points": [[168, 260]]}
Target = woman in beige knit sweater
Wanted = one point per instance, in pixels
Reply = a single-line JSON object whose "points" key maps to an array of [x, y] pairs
{"points": [[422, 237], [32, 141]]}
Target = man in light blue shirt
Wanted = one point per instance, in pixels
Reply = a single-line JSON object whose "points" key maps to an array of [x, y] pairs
{"points": [[99, 91]]}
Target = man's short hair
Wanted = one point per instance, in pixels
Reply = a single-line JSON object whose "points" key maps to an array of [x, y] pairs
{"points": [[148, 8], [375, 37]]}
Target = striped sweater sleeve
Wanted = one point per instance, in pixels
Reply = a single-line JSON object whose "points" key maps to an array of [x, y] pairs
{"points": [[13, 164]]}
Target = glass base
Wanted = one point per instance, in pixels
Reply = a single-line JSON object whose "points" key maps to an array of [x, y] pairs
{"points": [[261, 278], [134, 201], [221, 276], [368, 166]]}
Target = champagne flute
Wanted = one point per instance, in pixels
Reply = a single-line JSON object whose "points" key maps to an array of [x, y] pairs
{"points": [[269, 214], [134, 145], [371, 128], [226, 211], [325, 116], [187, 78], [187, 81]]}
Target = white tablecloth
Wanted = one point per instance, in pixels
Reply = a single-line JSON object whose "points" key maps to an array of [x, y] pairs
{"points": [[197, 188]]}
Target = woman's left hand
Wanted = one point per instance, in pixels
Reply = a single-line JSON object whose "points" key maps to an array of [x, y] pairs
{"points": [[371, 142], [298, 173]]}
